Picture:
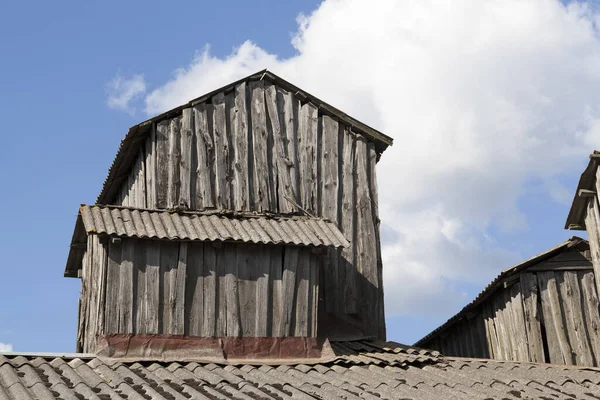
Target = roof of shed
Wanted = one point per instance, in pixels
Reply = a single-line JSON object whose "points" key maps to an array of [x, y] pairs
{"points": [[498, 282], [130, 145], [576, 219], [374, 370], [211, 226]]}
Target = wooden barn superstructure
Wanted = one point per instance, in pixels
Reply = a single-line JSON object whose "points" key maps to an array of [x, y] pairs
{"points": [[544, 309], [248, 212]]}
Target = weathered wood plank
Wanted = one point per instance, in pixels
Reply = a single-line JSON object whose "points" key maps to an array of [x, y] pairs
{"points": [[573, 313], [366, 246], [307, 149], [231, 287], [169, 257], [174, 162], [194, 296], [210, 291], [219, 133], [491, 335], [101, 256], [276, 276], [302, 305], [139, 275], [347, 274], [290, 268], [282, 162], [502, 327], [247, 289], [112, 288], [151, 168], [262, 196], [205, 155], [591, 306], [592, 223], [313, 315], [185, 173], [239, 133], [529, 289], [518, 323], [288, 107], [152, 287], [162, 161], [262, 266], [558, 342], [177, 293], [221, 294], [125, 306]]}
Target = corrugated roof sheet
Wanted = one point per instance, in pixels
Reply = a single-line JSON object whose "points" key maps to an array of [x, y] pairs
{"points": [[129, 146], [30, 377], [498, 281], [250, 228]]}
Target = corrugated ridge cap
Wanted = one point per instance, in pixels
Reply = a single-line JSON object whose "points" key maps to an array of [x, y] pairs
{"points": [[494, 284], [126, 152]]}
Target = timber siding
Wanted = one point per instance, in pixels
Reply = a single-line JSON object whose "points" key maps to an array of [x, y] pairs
{"points": [[543, 310], [262, 145]]}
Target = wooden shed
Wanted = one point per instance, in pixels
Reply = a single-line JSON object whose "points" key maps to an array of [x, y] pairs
{"points": [[544, 309], [250, 212]]}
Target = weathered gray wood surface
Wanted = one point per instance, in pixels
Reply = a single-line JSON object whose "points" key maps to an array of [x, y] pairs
{"points": [[261, 148], [197, 289]]}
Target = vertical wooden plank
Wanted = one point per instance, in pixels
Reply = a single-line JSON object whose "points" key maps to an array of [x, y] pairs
{"points": [[290, 267], [502, 328], [518, 319], [276, 275], [204, 154], [101, 264], [239, 133], [366, 241], [177, 298], [591, 307], [573, 312], [307, 149], [152, 287], [558, 342], [592, 224], [210, 291], [288, 107], [313, 315], [492, 335], [194, 290], [247, 289], [221, 295], [482, 335], [282, 162], [529, 289], [185, 173], [219, 134], [347, 275], [127, 284], [139, 275], [302, 303], [162, 161], [262, 197], [87, 294], [151, 168], [329, 180], [262, 267], [169, 258], [112, 288], [231, 287], [174, 163]]}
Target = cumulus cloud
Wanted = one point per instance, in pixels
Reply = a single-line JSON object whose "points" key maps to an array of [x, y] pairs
{"points": [[481, 99], [122, 92], [5, 347]]}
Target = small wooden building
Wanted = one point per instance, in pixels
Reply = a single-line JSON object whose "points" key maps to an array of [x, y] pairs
{"points": [[544, 309], [250, 212]]}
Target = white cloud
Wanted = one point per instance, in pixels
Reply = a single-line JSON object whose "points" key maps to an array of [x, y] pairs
{"points": [[122, 92], [5, 347], [480, 97]]}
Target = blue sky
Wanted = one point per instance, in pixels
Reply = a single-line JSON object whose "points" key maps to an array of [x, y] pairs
{"points": [[489, 189]]}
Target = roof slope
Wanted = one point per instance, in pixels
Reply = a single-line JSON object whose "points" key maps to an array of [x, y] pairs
{"points": [[575, 219], [130, 145], [224, 226], [498, 282], [373, 371]]}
